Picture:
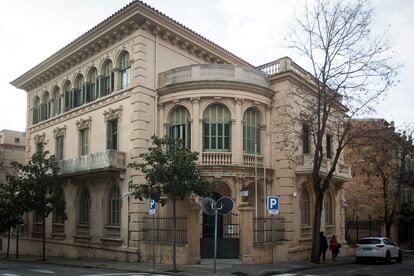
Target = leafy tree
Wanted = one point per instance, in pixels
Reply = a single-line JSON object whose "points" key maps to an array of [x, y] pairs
{"points": [[171, 174], [351, 69], [40, 187], [12, 207]]}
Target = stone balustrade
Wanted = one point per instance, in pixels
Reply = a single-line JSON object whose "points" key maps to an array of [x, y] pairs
{"points": [[304, 165], [213, 72]]}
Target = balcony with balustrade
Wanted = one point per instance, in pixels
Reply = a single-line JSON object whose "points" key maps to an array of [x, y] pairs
{"points": [[213, 72], [109, 160], [304, 165]]}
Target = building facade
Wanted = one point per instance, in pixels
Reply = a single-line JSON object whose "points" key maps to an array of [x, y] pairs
{"points": [[12, 148], [96, 103]]}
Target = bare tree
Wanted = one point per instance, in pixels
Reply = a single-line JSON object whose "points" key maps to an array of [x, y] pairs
{"points": [[351, 70]]}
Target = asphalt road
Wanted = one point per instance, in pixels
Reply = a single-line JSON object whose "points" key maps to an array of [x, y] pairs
{"points": [[14, 268], [366, 269]]}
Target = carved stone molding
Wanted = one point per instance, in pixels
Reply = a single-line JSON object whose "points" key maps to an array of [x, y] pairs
{"points": [[84, 123], [39, 138], [113, 114], [59, 131]]}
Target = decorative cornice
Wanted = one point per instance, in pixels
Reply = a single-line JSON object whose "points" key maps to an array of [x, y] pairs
{"points": [[59, 131], [39, 138], [198, 85], [113, 114], [84, 123]]}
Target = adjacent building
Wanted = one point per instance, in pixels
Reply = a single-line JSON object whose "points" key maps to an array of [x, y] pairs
{"points": [[96, 103], [12, 148]]}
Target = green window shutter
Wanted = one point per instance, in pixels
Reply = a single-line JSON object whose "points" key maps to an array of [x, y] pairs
{"points": [[67, 101], [108, 135], [88, 96]]}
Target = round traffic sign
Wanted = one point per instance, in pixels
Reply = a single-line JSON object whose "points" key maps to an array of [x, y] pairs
{"points": [[224, 205], [208, 204]]}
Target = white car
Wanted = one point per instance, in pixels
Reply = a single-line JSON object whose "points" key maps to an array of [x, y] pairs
{"points": [[377, 248]]}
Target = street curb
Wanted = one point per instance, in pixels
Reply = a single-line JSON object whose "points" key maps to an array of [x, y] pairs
{"points": [[88, 266], [316, 266]]}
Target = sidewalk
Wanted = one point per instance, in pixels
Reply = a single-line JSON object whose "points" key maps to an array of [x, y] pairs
{"points": [[224, 267]]}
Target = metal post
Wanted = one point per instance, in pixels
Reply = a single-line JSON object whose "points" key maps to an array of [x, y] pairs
{"points": [[273, 238], [153, 242], [369, 225], [215, 237], [357, 229]]}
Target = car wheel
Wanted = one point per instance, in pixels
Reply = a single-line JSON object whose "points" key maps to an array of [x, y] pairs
{"points": [[387, 259], [400, 257]]}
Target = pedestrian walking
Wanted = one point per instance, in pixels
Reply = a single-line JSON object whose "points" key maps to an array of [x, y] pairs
{"points": [[323, 245], [333, 246]]}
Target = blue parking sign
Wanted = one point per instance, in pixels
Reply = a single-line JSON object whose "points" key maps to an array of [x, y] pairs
{"points": [[273, 205], [152, 207]]}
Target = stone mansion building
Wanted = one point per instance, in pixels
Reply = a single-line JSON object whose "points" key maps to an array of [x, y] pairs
{"points": [[96, 103]]}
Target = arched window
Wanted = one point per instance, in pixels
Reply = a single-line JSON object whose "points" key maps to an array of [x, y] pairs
{"points": [[78, 92], [328, 209], [45, 107], [59, 214], [68, 96], [114, 206], [56, 102], [125, 70], [36, 110], [304, 207], [216, 128], [92, 88], [179, 125], [251, 131], [84, 207], [107, 80]]}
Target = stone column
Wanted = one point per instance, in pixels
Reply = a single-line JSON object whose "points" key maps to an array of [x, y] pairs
{"points": [[195, 126], [246, 234], [193, 233], [161, 127], [237, 147], [117, 81], [268, 149]]}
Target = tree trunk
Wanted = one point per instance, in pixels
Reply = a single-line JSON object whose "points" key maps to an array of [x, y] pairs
{"points": [[388, 229], [8, 243], [17, 241], [315, 254], [174, 238], [44, 239]]}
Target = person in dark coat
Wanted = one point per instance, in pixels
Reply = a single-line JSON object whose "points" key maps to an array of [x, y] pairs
{"points": [[323, 245]]}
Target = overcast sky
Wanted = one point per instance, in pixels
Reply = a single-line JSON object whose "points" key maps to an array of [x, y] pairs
{"points": [[31, 31]]}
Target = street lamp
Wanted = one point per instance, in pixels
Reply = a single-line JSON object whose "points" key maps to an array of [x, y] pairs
{"points": [[244, 193]]}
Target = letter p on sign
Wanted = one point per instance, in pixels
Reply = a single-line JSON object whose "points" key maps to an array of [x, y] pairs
{"points": [[273, 205]]}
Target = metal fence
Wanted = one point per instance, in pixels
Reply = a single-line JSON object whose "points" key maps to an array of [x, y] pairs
{"points": [[267, 230], [159, 229], [356, 230]]}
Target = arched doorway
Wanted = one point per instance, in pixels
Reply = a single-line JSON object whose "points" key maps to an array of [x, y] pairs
{"points": [[227, 230]]}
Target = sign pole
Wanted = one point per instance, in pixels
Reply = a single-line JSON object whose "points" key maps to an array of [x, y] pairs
{"points": [[273, 238], [215, 237], [153, 242]]}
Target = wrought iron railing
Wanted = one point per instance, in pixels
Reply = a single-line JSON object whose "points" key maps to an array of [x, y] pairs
{"points": [[112, 231], [159, 229], [268, 230], [93, 161]]}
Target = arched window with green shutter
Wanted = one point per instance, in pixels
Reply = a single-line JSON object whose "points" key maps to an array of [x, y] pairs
{"points": [[216, 128], [84, 207], [114, 207], [179, 125], [251, 131], [125, 70], [305, 207]]}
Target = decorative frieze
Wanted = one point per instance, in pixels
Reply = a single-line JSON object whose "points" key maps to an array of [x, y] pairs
{"points": [[84, 123], [39, 138], [113, 114], [59, 131]]}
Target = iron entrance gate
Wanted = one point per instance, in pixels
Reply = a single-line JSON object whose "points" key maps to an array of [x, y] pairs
{"points": [[228, 231]]}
